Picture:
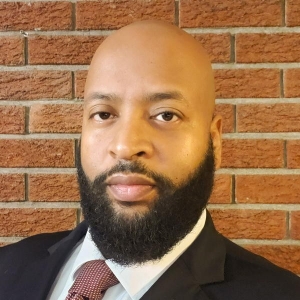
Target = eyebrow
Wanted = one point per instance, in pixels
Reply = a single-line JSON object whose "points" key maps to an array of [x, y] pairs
{"points": [[151, 97], [172, 95]]}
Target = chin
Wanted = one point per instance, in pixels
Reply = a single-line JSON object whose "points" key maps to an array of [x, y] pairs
{"points": [[130, 209]]}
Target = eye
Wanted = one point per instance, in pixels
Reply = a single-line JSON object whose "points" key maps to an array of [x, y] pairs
{"points": [[167, 116], [102, 116]]}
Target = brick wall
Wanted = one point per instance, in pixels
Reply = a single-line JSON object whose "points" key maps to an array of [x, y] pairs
{"points": [[45, 49]]}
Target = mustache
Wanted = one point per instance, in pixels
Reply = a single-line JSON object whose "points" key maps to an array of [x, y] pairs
{"points": [[130, 167]]}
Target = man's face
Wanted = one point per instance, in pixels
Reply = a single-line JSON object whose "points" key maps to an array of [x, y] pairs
{"points": [[149, 106], [149, 144]]}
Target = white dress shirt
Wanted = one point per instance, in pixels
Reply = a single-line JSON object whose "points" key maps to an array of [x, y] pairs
{"points": [[135, 281]]}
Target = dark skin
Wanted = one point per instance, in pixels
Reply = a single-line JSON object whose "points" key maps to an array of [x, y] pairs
{"points": [[149, 96]]}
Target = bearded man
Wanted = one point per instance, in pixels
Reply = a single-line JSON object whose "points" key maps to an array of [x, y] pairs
{"points": [[149, 148]]}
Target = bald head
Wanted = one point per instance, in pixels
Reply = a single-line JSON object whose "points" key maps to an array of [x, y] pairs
{"points": [[161, 48]]}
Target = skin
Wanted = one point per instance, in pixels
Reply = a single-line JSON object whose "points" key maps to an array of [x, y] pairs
{"points": [[149, 96]]}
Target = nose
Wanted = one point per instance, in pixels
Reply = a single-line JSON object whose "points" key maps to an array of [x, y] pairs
{"points": [[131, 140]]}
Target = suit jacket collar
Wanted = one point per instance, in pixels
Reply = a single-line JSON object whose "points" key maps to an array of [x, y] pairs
{"points": [[73, 238], [47, 266], [202, 263]]}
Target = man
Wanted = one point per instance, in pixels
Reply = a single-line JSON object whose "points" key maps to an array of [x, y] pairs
{"points": [[149, 148]]}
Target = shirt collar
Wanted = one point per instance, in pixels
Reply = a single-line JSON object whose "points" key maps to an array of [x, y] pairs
{"points": [[137, 279]]}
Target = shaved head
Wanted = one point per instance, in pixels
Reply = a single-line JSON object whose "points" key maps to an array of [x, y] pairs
{"points": [[159, 43], [150, 143]]}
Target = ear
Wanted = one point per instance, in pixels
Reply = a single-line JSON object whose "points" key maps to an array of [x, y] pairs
{"points": [[216, 137]]}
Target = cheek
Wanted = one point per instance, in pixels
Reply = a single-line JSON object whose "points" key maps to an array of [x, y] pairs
{"points": [[93, 158], [181, 157]]}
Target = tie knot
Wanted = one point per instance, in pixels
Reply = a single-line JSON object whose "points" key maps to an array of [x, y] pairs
{"points": [[94, 278]]}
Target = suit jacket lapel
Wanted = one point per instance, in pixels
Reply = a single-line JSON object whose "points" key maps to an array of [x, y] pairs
{"points": [[36, 282], [202, 263], [176, 283]]}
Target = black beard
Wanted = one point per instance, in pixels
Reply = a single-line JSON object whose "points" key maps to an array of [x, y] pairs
{"points": [[145, 236]]}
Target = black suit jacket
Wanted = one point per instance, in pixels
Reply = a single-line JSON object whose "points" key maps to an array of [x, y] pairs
{"points": [[212, 268]]}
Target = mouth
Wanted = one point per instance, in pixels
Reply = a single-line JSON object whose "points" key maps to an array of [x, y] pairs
{"points": [[131, 187]]}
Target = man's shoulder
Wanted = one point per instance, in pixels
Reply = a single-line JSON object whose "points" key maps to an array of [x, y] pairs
{"points": [[237, 256], [31, 247], [256, 277]]}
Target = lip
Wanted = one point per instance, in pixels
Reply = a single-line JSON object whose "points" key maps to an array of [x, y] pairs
{"points": [[129, 179], [131, 187]]}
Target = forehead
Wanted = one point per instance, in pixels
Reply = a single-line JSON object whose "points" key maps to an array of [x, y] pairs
{"points": [[145, 69], [132, 67]]}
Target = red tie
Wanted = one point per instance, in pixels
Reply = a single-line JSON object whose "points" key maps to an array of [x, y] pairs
{"points": [[92, 281]]}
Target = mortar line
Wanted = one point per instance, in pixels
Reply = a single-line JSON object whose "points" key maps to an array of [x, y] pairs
{"points": [[285, 154], [235, 118], [26, 192], [25, 51], [27, 113], [73, 17], [288, 217], [281, 84], [233, 189], [73, 85], [76, 149], [176, 16], [283, 9], [78, 215], [233, 48]]}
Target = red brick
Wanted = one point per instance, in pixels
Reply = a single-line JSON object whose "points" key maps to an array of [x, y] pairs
{"points": [[222, 189], [217, 45], [291, 83], [222, 13], [117, 13], [12, 119], [295, 225], [36, 153], [292, 12], [267, 189], [53, 187], [63, 49], [285, 256], [30, 85], [11, 51], [30, 221], [12, 187], [250, 224], [280, 47], [80, 77], [55, 118], [242, 153], [247, 83], [35, 15], [268, 117], [293, 154], [227, 113]]}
